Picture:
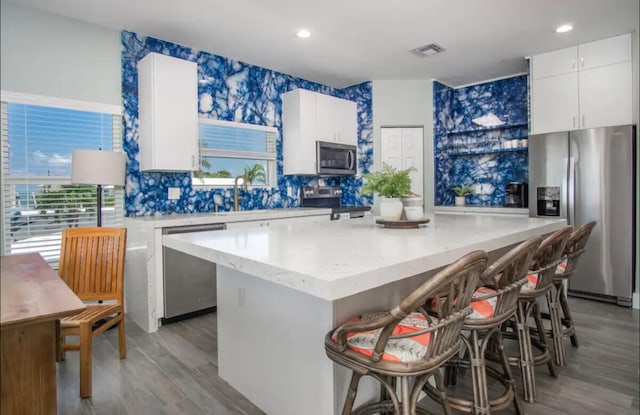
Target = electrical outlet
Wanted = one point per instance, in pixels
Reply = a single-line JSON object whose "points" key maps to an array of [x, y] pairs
{"points": [[174, 193], [477, 189]]}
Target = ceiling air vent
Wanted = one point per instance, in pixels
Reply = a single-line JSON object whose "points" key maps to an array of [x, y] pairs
{"points": [[428, 50]]}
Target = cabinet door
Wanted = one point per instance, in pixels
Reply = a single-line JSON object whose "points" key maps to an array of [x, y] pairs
{"points": [[326, 118], [299, 132], [168, 114], [391, 143], [554, 63], [605, 96], [412, 144], [347, 121], [605, 52], [554, 103]]}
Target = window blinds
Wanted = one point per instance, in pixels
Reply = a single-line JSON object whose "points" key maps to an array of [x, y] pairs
{"points": [[38, 199]]}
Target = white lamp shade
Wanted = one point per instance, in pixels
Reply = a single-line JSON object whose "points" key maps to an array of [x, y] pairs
{"points": [[97, 167]]}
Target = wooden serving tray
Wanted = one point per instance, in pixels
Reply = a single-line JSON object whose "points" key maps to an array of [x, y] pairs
{"points": [[403, 223]]}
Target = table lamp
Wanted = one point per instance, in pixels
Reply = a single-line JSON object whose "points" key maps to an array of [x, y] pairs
{"points": [[100, 168]]}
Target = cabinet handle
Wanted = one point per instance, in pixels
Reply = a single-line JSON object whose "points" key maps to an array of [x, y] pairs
{"points": [[193, 161], [582, 62], [574, 121], [573, 64], [584, 124]]}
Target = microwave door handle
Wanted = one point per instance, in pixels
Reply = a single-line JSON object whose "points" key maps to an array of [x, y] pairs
{"points": [[350, 159]]}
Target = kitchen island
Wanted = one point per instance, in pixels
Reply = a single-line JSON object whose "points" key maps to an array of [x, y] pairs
{"points": [[282, 288]]}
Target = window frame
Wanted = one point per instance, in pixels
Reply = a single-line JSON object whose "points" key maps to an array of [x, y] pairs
{"points": [[217, 183]]}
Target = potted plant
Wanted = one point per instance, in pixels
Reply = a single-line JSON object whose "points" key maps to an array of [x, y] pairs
{"points": [[461, 192], [391, 184]]}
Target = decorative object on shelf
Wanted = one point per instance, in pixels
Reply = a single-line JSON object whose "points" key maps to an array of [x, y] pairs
{"points": [[390, 184], [402, 224], [461, 192], [100, 168], [412, 207]]}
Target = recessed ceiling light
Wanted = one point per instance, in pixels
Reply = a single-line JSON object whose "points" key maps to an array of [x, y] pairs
{"points": [[303, 33], [564, 28]]}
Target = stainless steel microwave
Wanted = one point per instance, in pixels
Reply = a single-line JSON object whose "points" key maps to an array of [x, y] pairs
{"points": [[333, 159]]}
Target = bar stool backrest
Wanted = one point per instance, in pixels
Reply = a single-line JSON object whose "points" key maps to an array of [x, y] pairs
{"points": [[547, 258], [506, 275], [575, 248]]}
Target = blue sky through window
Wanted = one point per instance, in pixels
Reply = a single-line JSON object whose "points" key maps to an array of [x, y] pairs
{"points": [[41, 138]]}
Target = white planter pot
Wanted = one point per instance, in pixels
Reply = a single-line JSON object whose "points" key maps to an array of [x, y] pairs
{"points": [[390, 208], [460, 200]]}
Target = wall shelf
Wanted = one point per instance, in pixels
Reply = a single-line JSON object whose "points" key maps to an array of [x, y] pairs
{"points": [[476, 152], [498, 127]]}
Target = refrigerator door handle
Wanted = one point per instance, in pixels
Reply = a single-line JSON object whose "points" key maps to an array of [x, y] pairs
{"points": [[571, 191]]}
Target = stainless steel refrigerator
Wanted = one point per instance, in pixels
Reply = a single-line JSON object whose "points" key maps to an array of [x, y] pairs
{"points": [[587, 175]]}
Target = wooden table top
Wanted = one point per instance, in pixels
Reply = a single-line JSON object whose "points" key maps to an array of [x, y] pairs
{"points": [[31, 291]]}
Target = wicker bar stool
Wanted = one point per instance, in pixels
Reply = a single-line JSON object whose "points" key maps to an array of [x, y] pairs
{"points": [[492, 304], [539, 282], [406, 343], [562, 325]]}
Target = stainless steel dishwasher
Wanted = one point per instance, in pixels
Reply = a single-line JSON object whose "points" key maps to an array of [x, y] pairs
{"points": [[189, 282]]}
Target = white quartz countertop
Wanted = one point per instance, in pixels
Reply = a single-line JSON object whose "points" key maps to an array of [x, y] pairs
{"points": [[481, 209], [163, 221], [337, 259]]}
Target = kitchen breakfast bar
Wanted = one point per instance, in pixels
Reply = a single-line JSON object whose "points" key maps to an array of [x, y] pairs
{"points": [[282, 288]]}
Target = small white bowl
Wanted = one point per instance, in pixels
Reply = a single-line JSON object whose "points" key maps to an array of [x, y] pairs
{"points": [[413, 212]]}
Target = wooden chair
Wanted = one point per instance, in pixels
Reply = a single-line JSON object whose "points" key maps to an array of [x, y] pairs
{"points": [[562, 325], [92, 265], [492, 305], [539, 282], [407, 342]]}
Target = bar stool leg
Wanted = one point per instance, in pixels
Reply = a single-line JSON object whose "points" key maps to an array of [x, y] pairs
{"points": [[351, 393], [479, 376], [568, 319], [541, 335], [553, 301], [443, 392], [527, 365], [504, 360]]}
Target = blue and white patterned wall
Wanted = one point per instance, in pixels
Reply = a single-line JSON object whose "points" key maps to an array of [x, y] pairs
{"points": [[466, 153], [232, 91]]}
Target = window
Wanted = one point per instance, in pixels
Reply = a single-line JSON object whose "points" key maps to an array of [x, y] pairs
{"points": [[38, 199], [228, 149]]}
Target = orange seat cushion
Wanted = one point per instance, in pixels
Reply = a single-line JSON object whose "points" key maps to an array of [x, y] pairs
{"points": [[483, 308], [530, 285], [562, 267], [409, 349]]}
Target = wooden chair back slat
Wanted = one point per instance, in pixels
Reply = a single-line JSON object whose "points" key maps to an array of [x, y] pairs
{"points": [[92, 262]]}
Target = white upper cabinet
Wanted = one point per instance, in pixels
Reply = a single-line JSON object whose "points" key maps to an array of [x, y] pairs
{"points": [[336, 120], [597, 93], [605, 96], [308, 117], [554, 103], [168, 113], [605, 52], [555, 63]]}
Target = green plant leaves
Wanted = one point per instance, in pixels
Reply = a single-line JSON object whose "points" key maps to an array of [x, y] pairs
{"points": [[388, 182]]}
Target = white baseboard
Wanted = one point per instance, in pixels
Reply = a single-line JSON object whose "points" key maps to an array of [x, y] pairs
{"points": [[636, 300]]}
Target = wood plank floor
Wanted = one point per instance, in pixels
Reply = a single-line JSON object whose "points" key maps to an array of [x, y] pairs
{"points": [[174, 371]]}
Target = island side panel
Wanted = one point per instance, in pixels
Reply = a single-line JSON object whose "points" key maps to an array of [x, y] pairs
{"points": [[271, 345]]}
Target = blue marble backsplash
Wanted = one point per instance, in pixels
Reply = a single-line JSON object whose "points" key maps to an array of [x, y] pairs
{"points": [[489, 155], [231, 91]]}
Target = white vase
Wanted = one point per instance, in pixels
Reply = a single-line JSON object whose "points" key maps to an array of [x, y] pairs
{"points": [[390, 208], [460, 200]]}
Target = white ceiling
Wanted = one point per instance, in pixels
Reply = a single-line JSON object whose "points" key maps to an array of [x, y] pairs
{"points": [[358, 40]]}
